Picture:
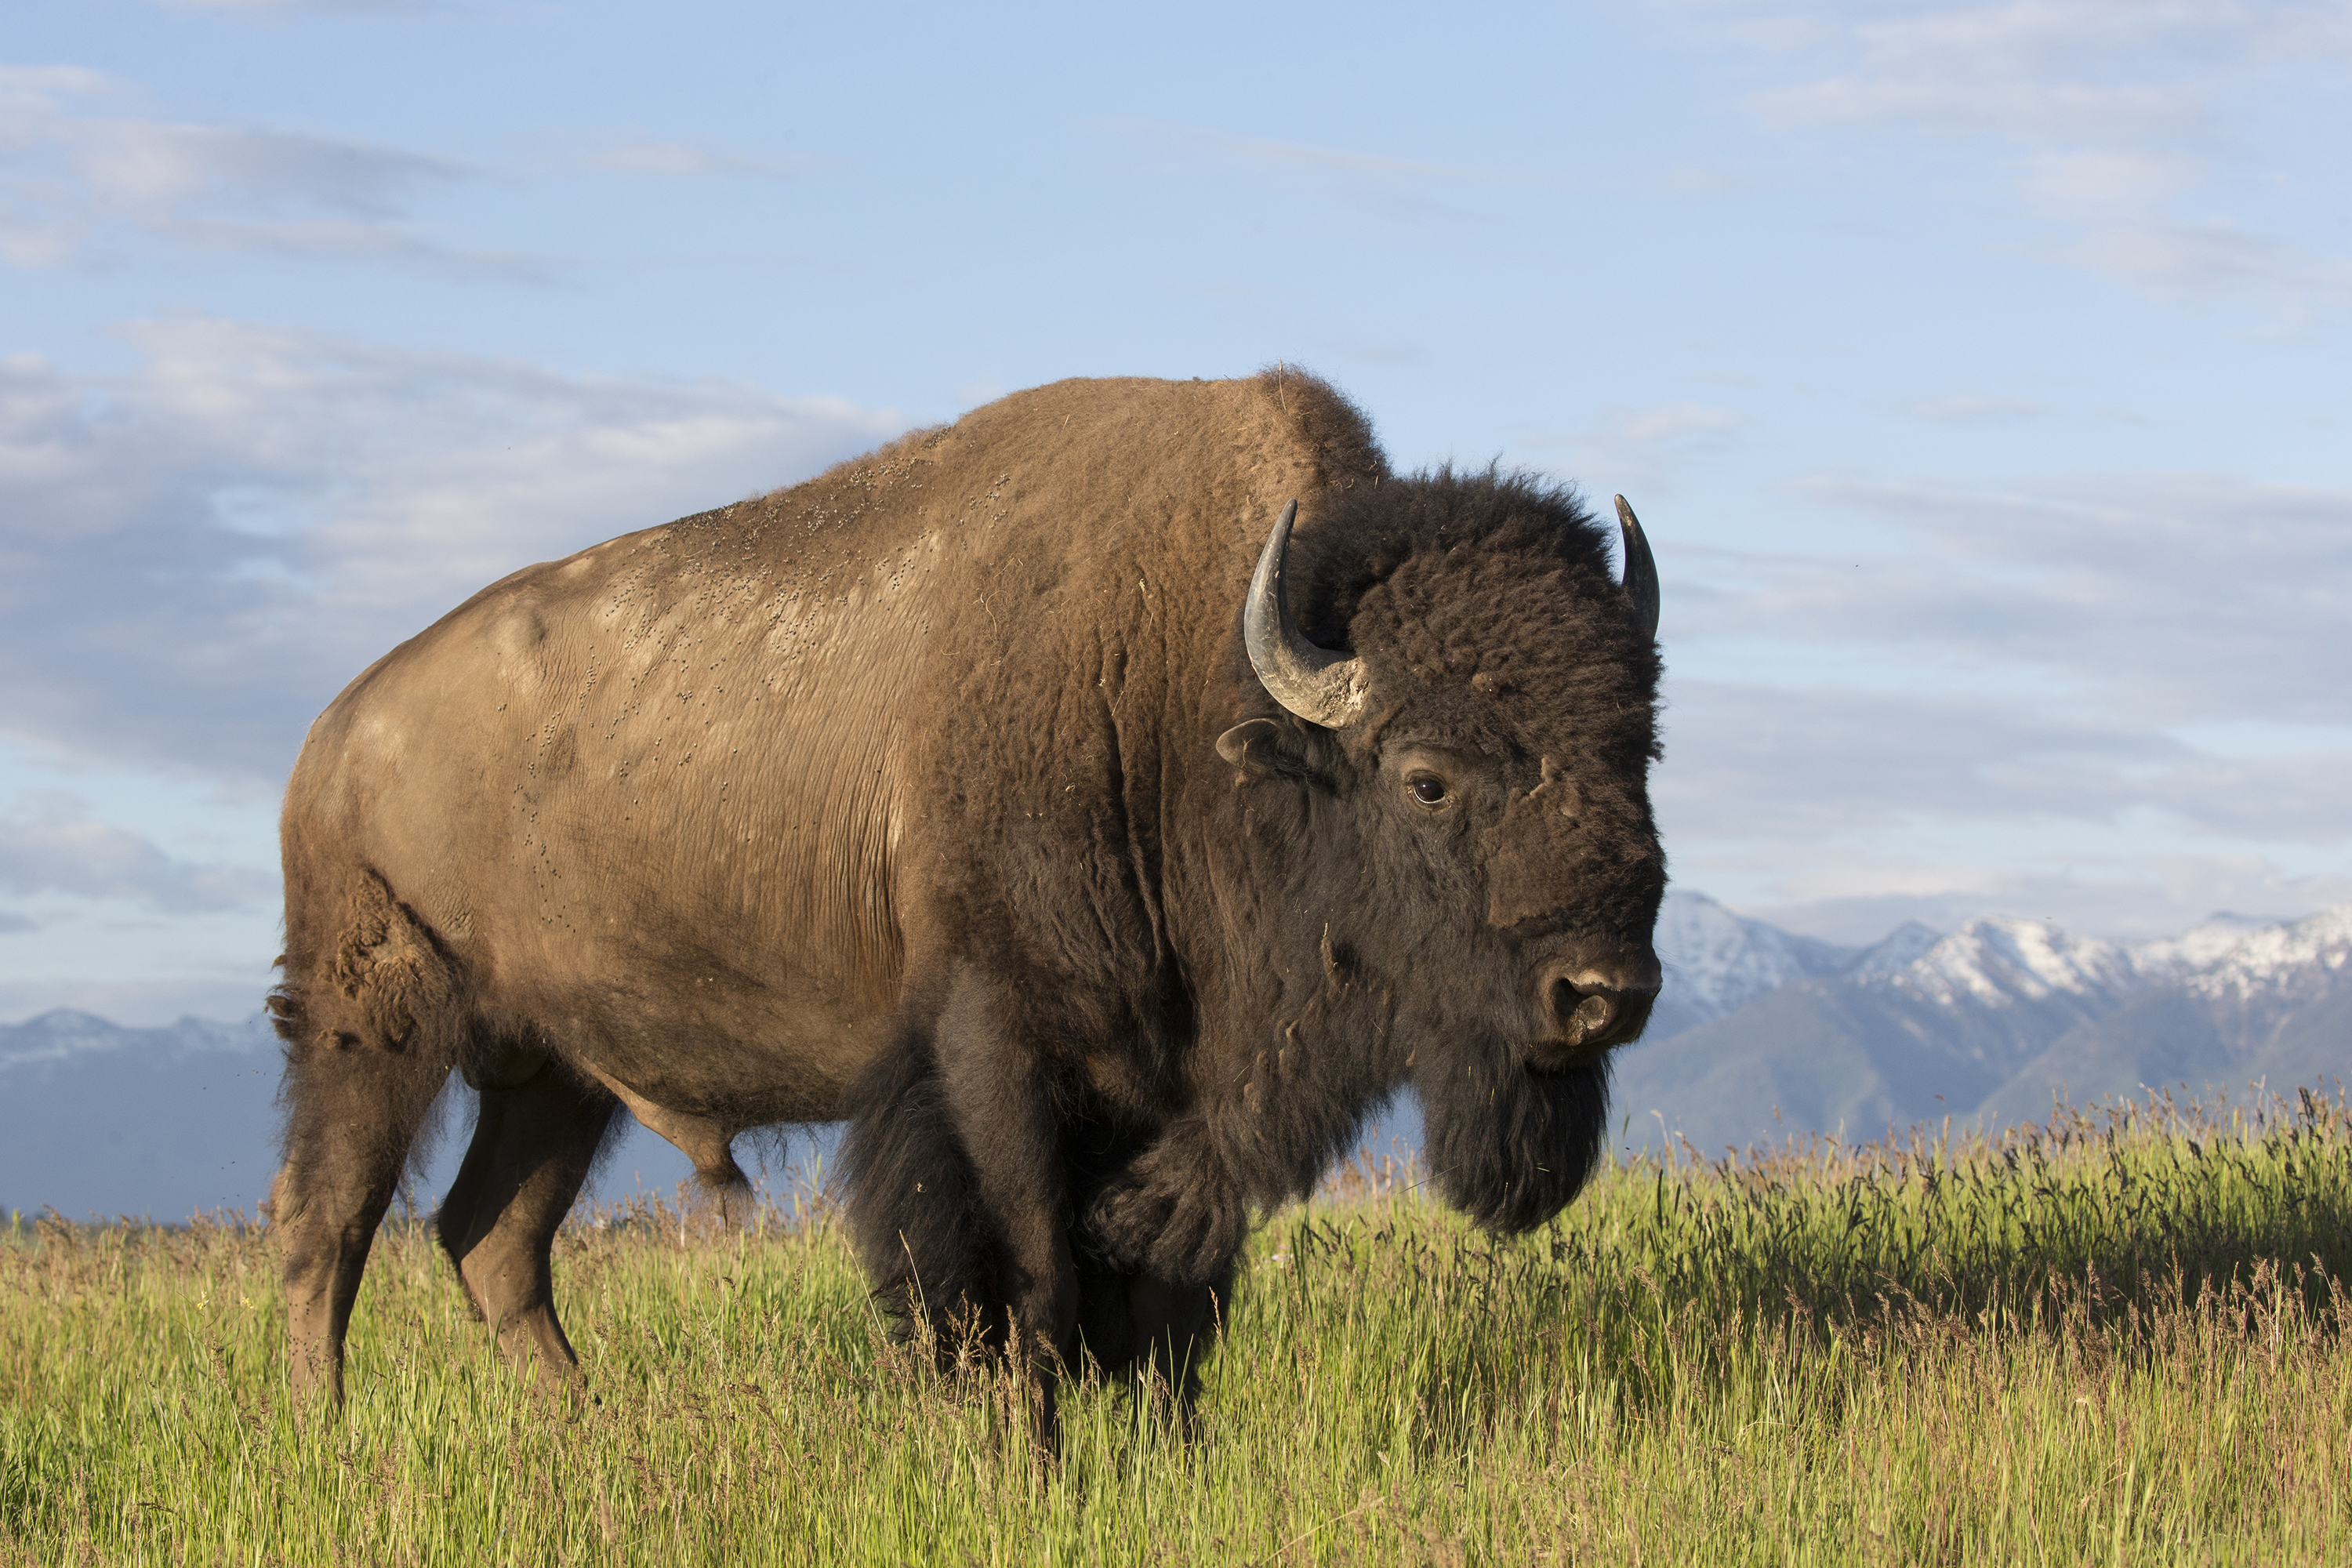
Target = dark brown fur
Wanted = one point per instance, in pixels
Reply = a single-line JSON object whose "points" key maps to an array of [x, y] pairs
{"points": [[897, 797]]}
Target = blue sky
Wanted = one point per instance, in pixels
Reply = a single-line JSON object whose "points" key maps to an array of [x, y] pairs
{"points": [[1980, 370]]}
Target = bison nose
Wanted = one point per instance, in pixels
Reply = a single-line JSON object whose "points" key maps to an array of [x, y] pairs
{"points": [[1586, 1008]]}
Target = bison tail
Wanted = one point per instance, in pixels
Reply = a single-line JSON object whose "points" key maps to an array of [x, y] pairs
{"points": [[914, 1207], [370, 1011], [364, 973]]}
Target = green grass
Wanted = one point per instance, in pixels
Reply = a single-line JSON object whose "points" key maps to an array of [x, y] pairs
{"points": [[2116, 1338]]}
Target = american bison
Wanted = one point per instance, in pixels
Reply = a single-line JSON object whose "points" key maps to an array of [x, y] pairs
{"points": [[1012, 795]]}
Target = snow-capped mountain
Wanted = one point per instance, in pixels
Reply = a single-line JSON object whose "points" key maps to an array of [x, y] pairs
{"points": [[2002, 961], [1986, 1023], [63, 1034], [2307, 956], [2201, 945], [1717, 962], [1898, 950], [99, 1117]]}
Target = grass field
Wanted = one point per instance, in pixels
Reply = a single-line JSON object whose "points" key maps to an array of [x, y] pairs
{"points": [[2117, 1338]]}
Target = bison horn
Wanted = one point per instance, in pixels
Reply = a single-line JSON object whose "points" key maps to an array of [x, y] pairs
{"points": [[1319, 686], [1641, 574]]}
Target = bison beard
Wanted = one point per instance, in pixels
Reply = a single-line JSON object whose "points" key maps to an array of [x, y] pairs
{"points": [[1510, 1146], [1000, 793]]}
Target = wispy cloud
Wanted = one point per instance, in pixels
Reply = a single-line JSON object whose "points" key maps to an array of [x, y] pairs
{"points": [[288, 7], [78, 182], [1963, 409], [2021, 696], [2094, 71], [58, 848], [2168, 255], [2133, 897], [1833, 762], [1641, 447], [1844, 811], [2125, 116], [1930, 94], [196, 554], [681, 160], [1397, 188], [1674, 422], [2166, 599]]}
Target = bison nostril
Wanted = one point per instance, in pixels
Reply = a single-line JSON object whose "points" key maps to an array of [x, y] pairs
{"points": [[1584, 1008], [1579, 1012]]}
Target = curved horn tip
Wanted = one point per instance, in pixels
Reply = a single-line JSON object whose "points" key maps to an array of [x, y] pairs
{"points": [[1641, 582], [1318, 685]]}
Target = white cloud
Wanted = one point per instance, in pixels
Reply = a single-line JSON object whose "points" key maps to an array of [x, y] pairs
{"points": [[1751, 762], [2145, 896], [2118, 177], [2162, 599], [2026, 111], [1643, 447], [58, 848], [1962, 409], [2115, 701], [1673, 422], [76, 186], [195, 555], [682, 159], [2035, 71], [2163, 256], [2126, 112], [1354, 169]]}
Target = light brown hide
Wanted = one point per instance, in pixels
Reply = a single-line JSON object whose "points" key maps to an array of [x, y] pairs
{"points": [[670, 805]]}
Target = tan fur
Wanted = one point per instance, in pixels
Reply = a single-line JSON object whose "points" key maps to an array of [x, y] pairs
{"points": [[679, 814], [669, 788]]}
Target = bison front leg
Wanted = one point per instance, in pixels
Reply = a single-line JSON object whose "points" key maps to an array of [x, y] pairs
{"points": [[1175, 1213], [1156, 1332], [533, 1144], [958, 1191], [352, 1112], [999, 1095]]}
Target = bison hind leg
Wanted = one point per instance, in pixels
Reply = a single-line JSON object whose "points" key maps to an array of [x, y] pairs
{"points": [[914, 1208], [534, 1144], [369, 1010]]}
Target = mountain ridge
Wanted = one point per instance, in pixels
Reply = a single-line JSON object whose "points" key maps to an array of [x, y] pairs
{"points": [[1991, 1021]]}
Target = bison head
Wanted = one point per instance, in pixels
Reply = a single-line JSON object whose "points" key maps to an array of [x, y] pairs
{"points": [[1463, 839]]}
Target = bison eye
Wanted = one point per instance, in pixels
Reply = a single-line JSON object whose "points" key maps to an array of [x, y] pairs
{"points": [[1427, 788]]}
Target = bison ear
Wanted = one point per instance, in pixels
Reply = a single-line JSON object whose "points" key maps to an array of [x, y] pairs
{"points": [[1262, 749]]}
